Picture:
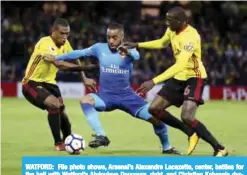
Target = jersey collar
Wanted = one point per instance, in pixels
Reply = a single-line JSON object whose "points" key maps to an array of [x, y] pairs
{"points": [[183, 29]]}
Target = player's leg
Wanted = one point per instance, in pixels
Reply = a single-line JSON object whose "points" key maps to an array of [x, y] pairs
{"points": [[172, 94], [65, 124], [40, 97], [89, 104], [193, 98], [53, 108], [160, 130], [163, 100], [138, 107]]}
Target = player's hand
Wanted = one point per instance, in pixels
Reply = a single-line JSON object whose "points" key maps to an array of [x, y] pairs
{"points": [[123, 50], [130, 45], [90, 84], [48, 57], [145, 87]]}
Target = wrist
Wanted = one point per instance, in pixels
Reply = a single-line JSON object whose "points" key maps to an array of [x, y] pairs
{"points": [[154, 80], [83, 76]]}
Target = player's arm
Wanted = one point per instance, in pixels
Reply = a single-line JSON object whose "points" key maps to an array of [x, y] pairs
{"points": [[76, 54], [67, 66], [156, 44], [186, 52], [88, 82], [133, 53]]}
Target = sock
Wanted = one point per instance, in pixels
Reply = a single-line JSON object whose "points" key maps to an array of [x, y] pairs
{"points": [[203, 132], [172, 121], [92, 118], [65, 125], [161, 132], [54, 123]]}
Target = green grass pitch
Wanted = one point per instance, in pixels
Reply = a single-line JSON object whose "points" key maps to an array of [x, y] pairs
{"points": [[25, 132]]}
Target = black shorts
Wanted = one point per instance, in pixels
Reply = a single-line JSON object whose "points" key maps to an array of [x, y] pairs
{"points": [[176, 91], [37, 92]]}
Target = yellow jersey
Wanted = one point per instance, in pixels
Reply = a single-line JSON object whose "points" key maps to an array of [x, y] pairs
{"points": [[186, 46], [39, 70]]}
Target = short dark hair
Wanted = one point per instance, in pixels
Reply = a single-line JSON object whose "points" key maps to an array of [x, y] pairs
{"points": [[61, 21], [179, 12], [115, 25]]}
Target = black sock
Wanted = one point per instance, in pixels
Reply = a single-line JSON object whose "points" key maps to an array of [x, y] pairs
{"points": [[203, 132], [54, 122], [172, 121], [65, 125]]}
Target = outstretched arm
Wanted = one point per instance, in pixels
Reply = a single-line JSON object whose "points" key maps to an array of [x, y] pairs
{"points": [[76, 54], [185, 54], [155, 44], [67, 66]]}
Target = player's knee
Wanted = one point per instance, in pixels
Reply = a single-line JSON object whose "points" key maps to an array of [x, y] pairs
{"points": [[186, 118], [55, 104], [188, 112], [87, 100], [52, 102], [153, 110]]}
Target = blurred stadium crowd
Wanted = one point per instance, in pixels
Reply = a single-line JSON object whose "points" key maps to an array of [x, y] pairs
{"points": [[222, 25]]}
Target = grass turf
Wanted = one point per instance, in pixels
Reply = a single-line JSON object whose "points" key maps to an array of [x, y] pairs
{"points": [[25, 132]]}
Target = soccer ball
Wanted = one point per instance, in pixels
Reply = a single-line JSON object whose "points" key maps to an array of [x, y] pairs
{"points": [[74, 144]]}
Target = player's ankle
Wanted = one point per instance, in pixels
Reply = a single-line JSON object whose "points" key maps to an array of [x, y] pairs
{"points": [[58, 142], [219, 147]]}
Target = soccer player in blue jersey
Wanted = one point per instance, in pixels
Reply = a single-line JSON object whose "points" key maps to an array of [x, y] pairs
{"points": [[115, 92]]}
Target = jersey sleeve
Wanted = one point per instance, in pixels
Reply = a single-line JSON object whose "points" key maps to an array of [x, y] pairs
{"points": [[157, 44], [187, 44], [44, 47], [76, 54], [133, 53]]}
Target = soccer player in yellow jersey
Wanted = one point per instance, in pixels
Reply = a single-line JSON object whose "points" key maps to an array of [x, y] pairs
{"points": [[184, 81], [39, 84]]}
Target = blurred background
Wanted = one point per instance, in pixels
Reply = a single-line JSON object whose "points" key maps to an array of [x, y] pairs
{"points": [[222, 26]]}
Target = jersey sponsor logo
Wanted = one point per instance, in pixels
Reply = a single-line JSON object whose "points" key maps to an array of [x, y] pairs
{"points": [[114, 69], [189, 47]]}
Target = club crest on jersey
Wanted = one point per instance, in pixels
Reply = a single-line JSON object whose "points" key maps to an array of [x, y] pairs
{"points": [[52, 48], [189, 47]]}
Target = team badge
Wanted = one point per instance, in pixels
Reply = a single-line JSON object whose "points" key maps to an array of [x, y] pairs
{"points": [[189, 47]]}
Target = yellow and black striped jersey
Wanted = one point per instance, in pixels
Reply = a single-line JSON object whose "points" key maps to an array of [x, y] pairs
{"points": [[186, 46], [39, 70]]}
